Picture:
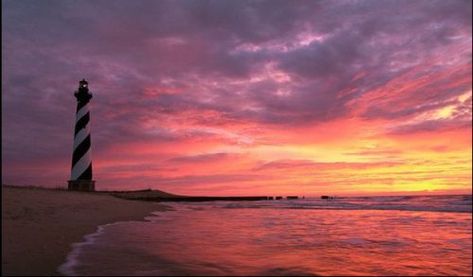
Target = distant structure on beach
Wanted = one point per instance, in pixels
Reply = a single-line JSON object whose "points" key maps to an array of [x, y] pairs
{"points": [[81, 172]]}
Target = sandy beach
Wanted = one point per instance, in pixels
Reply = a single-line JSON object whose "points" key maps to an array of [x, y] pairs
{"points": [[39, 225]]}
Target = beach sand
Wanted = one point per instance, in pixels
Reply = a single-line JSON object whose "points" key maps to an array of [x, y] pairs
{"points": [[39, 225]]}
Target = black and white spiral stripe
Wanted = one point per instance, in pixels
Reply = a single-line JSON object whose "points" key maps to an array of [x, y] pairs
{"points": [[81, 158]]}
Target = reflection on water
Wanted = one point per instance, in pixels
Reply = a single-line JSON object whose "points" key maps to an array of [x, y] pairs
{"points": [[209, 239]]}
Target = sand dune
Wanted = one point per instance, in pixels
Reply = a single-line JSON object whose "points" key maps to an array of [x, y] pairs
{"points": [[39, 225]]}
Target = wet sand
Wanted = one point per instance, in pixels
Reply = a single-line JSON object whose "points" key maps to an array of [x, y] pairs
{"points": [[40, 225]]}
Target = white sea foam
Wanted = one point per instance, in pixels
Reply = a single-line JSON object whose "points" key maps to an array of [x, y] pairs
{"points": [[68, 267], [72, 259]]}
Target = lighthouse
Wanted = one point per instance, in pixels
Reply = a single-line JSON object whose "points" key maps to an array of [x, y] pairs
{"points": [[81, 171]]}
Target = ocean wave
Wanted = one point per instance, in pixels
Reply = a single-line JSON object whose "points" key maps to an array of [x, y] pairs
{"points": [[457, 203]]}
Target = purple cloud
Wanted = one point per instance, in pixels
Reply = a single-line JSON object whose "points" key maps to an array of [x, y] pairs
{"points": [[277, 63]]}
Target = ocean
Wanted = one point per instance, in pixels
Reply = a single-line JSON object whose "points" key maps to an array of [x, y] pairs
{"points": [[398, 235]]}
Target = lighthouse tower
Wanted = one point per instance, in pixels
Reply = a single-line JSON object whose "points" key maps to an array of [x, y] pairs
{"points": [[81, 172]]}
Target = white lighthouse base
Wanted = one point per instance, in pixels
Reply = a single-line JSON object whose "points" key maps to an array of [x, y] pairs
{"points": [[81, 185]]}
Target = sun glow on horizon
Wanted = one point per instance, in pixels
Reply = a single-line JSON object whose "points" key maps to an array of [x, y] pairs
{"points": [[239, 99]]}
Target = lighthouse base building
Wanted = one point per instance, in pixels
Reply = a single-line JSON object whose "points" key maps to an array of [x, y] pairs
{"points": [[81, 171], [83, 185]]}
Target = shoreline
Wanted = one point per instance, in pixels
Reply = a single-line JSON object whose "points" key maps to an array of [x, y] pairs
{"points": [[40, 226], [65, 269]]}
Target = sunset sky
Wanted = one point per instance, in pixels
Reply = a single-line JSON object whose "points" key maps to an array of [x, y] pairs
{"points": [[242, 97]]}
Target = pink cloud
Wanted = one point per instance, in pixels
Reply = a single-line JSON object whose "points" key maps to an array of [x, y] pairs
{"points": [[185, 89]]}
